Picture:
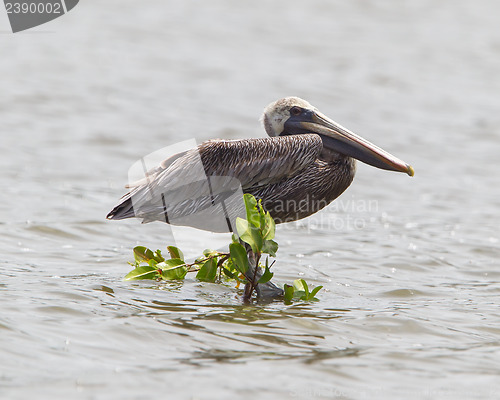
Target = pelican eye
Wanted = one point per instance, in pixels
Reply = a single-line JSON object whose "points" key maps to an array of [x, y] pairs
{"points": [[295, 111]]}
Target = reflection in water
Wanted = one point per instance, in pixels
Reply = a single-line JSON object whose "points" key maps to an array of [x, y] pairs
{"points": [[308, 357], [263, 332]]}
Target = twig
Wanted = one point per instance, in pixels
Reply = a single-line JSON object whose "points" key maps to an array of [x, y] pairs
{"points": [[226, 256], [252, 284], [219, 265]]}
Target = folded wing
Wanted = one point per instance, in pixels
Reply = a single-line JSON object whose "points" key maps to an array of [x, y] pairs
{"points": [[210, 179]]}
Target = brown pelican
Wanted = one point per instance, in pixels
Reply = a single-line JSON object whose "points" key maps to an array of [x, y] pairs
{"points": [[307, 162]]}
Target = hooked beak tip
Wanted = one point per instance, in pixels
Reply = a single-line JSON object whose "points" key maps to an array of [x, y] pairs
{"points": [[409, 170]]}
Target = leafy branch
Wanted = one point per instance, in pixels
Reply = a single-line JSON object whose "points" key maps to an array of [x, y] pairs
{"points": [[242, 264]]}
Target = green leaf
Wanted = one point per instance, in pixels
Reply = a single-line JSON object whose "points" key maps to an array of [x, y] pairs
{"points": [[229, 273], [208, 271], [249, 234], [241, 226], [239, 256], [306, 288], [298, 284], [152, 263], [289, 291], [175, 252], [173, 262], [302, 290], [269, 227], [251, 209], [173, 269], [270, 247], [144, 272], [209, 252], [229, 269], [267, 276], [158, 256], [314, 291], [172, 274], [142, 253]]}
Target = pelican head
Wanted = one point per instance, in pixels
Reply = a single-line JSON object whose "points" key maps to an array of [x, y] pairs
{"points": [[294, 116]]}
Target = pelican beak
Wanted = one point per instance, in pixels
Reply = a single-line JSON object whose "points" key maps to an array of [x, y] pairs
{"points": [[342, 140]]}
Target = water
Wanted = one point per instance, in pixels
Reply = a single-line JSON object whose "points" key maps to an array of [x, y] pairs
{"points": [[409, 265]]}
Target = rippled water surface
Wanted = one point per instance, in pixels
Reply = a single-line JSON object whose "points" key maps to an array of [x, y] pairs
{"points": [[410, 267]]}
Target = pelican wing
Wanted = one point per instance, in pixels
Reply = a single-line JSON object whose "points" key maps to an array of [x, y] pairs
{"points": [[179, 186]]}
